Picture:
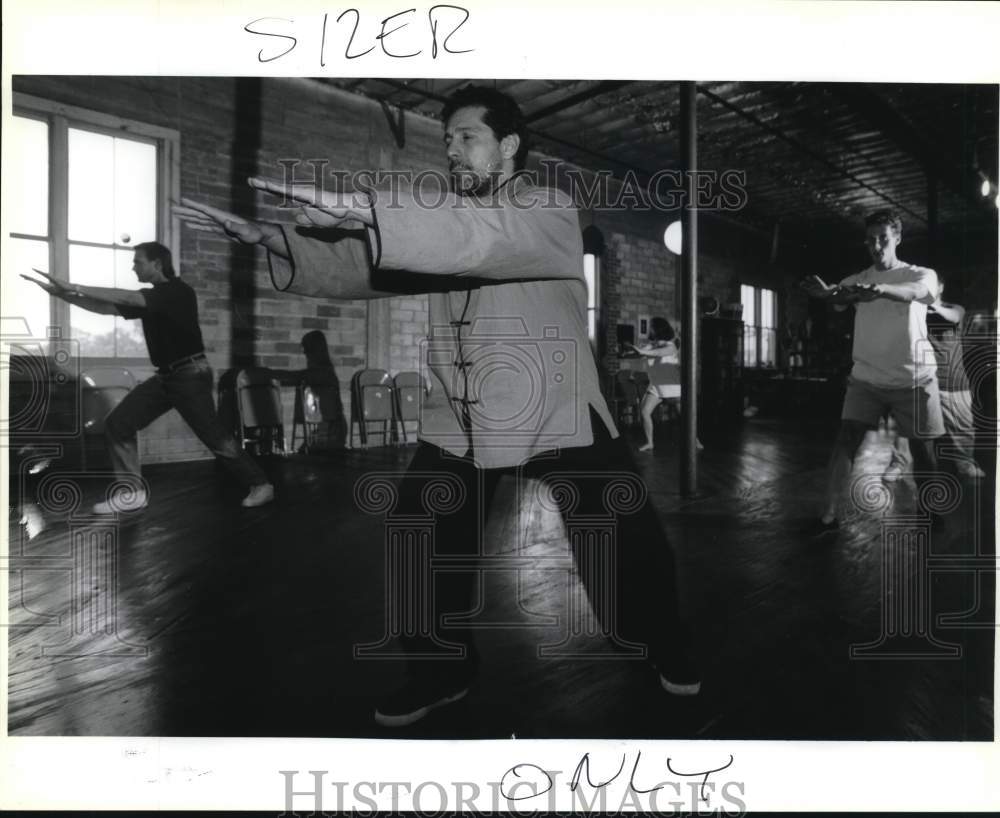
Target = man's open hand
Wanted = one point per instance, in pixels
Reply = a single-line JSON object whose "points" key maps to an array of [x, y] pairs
{"points": [[49, 284], [865, 292], [815, 287], [321, 208], [204, 217]]}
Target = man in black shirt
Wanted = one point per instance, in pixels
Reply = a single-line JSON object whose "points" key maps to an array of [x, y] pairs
{"points": [[183, 380]]}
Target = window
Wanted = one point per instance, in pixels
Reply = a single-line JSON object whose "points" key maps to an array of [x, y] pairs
{"points": [[591, 273], [89, 187], [760, 326], [29, 223]]}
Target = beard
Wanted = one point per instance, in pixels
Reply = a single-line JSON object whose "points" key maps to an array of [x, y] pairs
{"points": [[468, 182], [465, 182]]}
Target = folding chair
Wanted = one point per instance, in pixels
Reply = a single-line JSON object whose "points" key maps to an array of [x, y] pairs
{"points": [[306, 414], [103, 389], [371, 402], [408, 388], [259, 412], [317, 405]]}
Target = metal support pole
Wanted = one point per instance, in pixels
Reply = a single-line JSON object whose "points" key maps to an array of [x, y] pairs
{"points": [[932, 219], [689, 293]]}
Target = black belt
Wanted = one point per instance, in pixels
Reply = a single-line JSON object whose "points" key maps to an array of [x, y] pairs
{"points": [[173, 366]]}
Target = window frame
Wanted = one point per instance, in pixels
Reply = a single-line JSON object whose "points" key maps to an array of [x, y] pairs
{"points": [[759, 328], [60, 118], [593, 313]]}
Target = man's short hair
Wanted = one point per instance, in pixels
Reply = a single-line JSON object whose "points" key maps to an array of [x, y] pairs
{"points": [[502, 114], [889, 218], [154, 251]]}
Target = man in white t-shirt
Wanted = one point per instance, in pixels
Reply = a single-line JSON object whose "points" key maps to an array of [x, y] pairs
{"points": [[894, 367]]}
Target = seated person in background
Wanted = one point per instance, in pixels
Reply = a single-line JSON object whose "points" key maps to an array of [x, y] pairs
{"points": [[664, 380], [944, 332], [321, 378]]}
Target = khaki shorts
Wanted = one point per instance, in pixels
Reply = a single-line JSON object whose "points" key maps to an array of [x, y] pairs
{"points": [[917, 410], [664, 391], [956, 407]]}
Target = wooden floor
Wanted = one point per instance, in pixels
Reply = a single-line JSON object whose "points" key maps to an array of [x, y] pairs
{"points": [[213, 620]]}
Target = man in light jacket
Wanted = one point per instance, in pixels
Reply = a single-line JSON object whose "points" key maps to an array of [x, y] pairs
{"points": [[514, 386]]}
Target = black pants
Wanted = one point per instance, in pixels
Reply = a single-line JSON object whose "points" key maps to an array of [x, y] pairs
{"points": [[188, 390], [619, 548]]}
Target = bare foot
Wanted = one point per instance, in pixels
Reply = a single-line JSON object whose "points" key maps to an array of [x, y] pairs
{"points": [[646, 447]]}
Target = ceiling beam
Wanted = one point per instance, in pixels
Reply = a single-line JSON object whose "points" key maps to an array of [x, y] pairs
{"points": [[881, 113], [603, 87], [410, 89], [780, 134]]}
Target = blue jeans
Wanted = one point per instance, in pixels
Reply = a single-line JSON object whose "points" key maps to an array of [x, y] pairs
{"points": [[188, 389]]}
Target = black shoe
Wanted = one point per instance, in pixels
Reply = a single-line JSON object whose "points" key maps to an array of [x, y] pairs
{"points": [[413, 702], [679, 674], [680, 684], [817, 528]]}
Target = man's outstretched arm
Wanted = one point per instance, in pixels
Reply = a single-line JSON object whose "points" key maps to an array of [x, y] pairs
{"points": [[952, 313], [329, 263], [246, 231], [534, 235], [922, 288], [103, 300], [911, 291], [840, 295]]}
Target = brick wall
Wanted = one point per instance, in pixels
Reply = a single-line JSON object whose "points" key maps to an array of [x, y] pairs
{"points": [[408, 319], [640, 278]]}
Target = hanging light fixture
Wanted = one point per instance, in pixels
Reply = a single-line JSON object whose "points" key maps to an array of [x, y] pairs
{"points": [[673, 238]]}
